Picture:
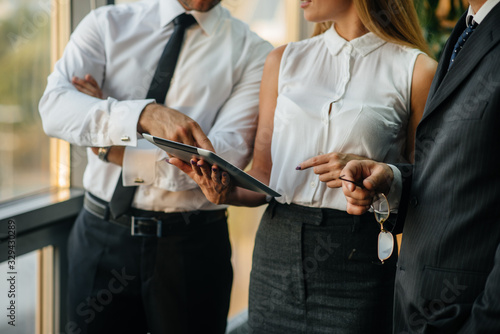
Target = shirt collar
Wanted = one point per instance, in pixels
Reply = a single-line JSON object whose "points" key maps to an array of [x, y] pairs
{"points": [[481, 13], [364, 45], [170, 9]]}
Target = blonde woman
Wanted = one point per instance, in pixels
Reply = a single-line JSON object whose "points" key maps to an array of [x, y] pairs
{"points": [[355, 90]]}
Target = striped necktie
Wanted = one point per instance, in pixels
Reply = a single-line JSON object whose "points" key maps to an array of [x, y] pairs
{"points": [[461, 41]]}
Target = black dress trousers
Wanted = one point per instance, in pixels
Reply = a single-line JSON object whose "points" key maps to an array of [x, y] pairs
{"points": [[178, 284]]}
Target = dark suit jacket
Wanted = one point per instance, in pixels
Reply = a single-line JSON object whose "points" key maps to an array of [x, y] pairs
{"points": [[448, 277]]}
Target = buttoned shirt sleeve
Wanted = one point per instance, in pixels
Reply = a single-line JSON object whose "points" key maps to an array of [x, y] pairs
{"points": [[76, 117], [394, 195]]}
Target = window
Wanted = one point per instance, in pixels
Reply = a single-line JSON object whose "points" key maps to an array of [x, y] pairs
{"points": [[25, 58], [279, 22]]}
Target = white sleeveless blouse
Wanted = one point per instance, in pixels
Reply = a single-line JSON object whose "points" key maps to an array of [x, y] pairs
{"points": [[338, 96]]}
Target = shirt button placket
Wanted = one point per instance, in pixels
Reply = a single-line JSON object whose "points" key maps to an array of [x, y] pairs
{"points": [[347, 59]]}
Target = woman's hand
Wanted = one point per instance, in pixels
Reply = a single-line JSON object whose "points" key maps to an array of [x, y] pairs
{"points": [[329, 166], [87, 85], [215, 184]]}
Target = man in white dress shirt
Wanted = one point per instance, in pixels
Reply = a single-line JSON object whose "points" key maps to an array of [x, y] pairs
{"points": [[164, 266]]}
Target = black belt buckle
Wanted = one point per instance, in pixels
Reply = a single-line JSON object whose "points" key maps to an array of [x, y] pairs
{"points": [[145, 227]]}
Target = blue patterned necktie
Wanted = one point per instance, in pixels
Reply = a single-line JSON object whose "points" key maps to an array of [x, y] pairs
{"points": [[461, 41]]}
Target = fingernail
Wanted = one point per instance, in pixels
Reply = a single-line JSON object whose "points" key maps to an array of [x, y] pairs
{"points": [[298, 168], [214, 169], [193, 162], [167, 160]]}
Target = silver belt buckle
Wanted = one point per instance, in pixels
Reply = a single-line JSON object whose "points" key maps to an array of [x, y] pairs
{"points": [[134, 227]]}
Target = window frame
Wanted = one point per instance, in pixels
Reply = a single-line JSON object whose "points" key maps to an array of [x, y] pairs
{"points": [[43, 220]]}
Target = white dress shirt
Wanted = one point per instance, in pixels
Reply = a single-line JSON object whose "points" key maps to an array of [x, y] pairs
{"points": [[338, 96], [482, 12], [216, 82]]}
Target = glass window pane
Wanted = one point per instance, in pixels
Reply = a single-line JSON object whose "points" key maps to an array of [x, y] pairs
{"points": [[24, 67], [266, 18], [438, 18]]}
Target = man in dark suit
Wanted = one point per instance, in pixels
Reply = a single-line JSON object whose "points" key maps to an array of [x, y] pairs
{"points": [[448, 277]]}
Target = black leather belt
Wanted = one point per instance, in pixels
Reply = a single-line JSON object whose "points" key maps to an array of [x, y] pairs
{"points": [[152, 223]]}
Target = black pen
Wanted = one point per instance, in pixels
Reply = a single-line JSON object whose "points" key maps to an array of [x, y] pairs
{"points": [[341, 177]]}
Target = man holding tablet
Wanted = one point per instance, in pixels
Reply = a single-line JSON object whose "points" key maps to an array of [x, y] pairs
{"points": [[147, 230]]}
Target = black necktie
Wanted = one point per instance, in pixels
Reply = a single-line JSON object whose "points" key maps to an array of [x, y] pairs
{"points": [[461, 41], [166, 66], [123, 196]]}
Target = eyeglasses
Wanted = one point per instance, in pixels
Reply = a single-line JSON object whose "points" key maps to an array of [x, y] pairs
{"points": [[382, 211]]}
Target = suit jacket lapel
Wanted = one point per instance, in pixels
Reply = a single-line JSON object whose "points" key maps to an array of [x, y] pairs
{"points": [[485, 36]]}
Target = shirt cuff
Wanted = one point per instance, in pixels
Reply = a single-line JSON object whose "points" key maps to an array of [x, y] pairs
{"points": [[124, 117], [139, 166], [394, 196]]}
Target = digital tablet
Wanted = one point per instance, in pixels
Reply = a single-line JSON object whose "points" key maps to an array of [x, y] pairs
{"points": [[187, 152]]}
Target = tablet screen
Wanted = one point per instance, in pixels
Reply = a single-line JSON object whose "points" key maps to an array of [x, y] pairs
{"points": [[187, 152]]}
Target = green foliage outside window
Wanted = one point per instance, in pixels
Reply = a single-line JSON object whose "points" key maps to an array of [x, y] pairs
{"points": [[24, 67], [438, 17]]}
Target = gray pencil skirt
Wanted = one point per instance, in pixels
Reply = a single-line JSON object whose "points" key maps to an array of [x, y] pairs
{"points": [[317, 271]]}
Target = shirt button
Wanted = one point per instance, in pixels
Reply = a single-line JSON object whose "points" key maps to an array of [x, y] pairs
{"points": [[320, 153], [313, 184], [413, 202], [125, 138], [138, 180]]}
